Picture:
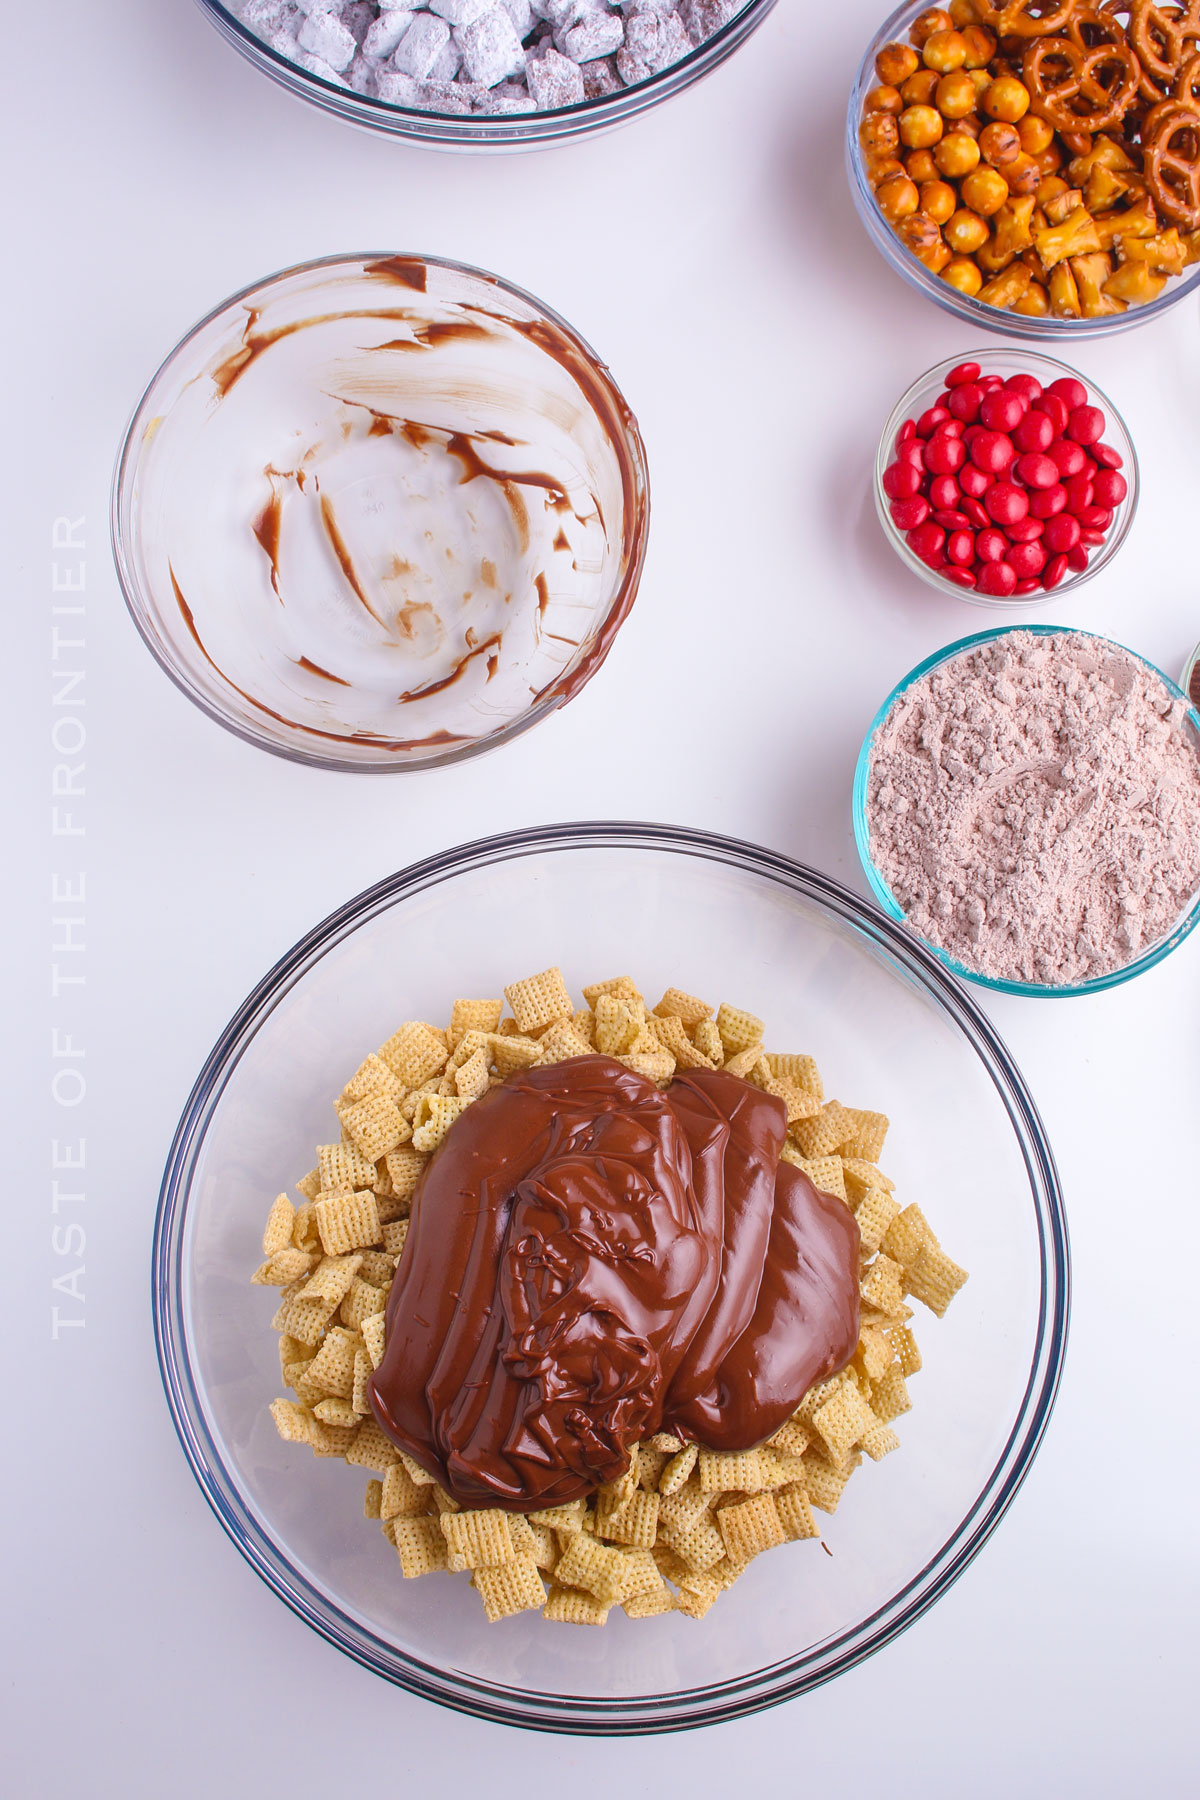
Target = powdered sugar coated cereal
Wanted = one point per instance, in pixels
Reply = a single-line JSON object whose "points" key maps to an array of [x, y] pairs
{"points": [[484, 56]]}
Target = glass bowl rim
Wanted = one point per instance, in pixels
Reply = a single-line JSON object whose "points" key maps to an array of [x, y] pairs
{"points": [[489, 130], [1118, 532], [891, 906], [964, 306], [631, 447], [650, 1713]]}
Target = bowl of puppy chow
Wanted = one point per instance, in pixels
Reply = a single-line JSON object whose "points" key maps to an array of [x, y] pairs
{"points": [[1034, 165], [486, 74]]}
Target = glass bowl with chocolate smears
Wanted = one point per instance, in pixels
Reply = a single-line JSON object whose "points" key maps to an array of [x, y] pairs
{"points": [[381, 513], [1033, 165], [486, 74], [600, 1297]]}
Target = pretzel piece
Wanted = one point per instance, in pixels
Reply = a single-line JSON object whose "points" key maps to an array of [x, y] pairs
{"points": [[1077, 88], [1023, 18], [1171, 161]]}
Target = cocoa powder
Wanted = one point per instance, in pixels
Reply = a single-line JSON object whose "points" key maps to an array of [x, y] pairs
{"points": [[1034, 806]]}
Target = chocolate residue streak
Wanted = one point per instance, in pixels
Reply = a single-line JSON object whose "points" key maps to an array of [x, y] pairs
{"points": [[436, 687], [555, 639], [340, 550], [419, 436], [380, 426], [470, 635], [407, 613], [434, 740], [462, 447], [560, 542], [520, 514], [313, 668], [439, 331], [493, 663], [543, 594], [255, 343], [267, 529], [487, 573], [408, 271]]}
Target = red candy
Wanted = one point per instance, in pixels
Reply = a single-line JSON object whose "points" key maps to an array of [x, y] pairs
{"points": [[975, 482], [1079, 493], [997, 578], [1026, 560], [1055, 409], [901, 481], [927, 541], [1003, 410], [1045, 502], [965, 402], [1007, 503], [1070, 391], [1069, 459], [992, 452], [908, 513], [1004, 486], [1061, 533], [1035, 432], [1037, 471], [1086, 425], [945, 455], [1109, 488]]}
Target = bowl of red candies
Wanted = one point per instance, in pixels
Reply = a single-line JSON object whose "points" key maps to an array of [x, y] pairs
{"points": [[1004, 477]]}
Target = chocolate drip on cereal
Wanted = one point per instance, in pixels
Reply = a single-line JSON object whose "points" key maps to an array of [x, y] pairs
{"points": [[591, 1260]]}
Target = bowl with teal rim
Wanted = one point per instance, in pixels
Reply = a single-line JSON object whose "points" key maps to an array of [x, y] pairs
{"points": [[1147, 957]]}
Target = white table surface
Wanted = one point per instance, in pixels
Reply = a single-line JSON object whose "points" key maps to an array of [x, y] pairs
{"points": [[710, 252]]}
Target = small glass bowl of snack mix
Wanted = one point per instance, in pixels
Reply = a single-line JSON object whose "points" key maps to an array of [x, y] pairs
{"points": [[380, 513], [486, 74], [1033, 165], [826, 975], [1035, 495]]}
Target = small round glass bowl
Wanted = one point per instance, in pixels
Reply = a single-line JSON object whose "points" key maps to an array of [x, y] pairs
{"points": [[1148, 956], [991, 318], [890, 1028], [922, 394], [381, 513], [1190, 681], [516, 131]]}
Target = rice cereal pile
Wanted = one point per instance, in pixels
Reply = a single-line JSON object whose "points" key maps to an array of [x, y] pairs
{"points": [[485, 56], [683, 1521]]}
